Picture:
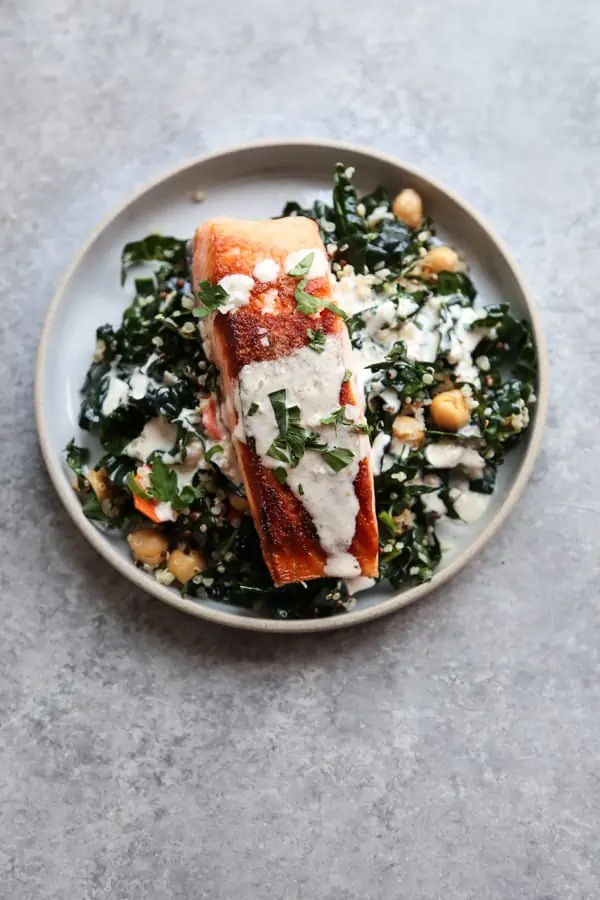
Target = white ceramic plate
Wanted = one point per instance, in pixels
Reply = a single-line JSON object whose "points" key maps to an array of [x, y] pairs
{"points": [[255, 181]]}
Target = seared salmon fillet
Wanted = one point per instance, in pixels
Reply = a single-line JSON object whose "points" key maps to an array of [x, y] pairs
{"points": [[289, 396]]}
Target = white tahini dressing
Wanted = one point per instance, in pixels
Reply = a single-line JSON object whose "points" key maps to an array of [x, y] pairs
{"points": [[116, 395], [449, 455], [138, 385], [312, 382], [266, 271], [377, 450], [470, 505], [319, 267], [157, 435], [164, 512], [361, 583]]}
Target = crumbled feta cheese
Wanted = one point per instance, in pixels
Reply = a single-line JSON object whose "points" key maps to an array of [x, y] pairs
{"points": [[238, 288], [266, 271]]}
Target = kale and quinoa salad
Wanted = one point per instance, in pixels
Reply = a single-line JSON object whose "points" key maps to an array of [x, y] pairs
{"points": [[447, 387]]}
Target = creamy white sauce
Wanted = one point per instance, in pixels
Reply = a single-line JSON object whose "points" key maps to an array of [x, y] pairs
{"points": [[189, 418], [266, 271], [420, 333], [380, 320], [463, 340], [450, 454], [157, 435], [116, 395], [312, 382], [138, 385], [406, 306], [379, 214], [319, 266], [194, 461], [362, 583], [433, 503], [238, 288], [391, 401], [342, 565], [164, 512], [377, 450], [363, 357], [470, 505], [354, 292]]}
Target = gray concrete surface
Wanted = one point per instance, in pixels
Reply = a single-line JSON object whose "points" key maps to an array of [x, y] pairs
{"points": [[450, 751]]}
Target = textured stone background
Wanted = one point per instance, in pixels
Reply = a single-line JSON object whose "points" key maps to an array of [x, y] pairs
{"points": [[450, 751]]}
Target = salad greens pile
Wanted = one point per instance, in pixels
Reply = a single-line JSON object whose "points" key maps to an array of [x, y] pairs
{"points": [[154, 365]]}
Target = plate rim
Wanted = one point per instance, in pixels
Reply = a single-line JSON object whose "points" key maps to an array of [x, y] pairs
{"points": [[295, 626]]}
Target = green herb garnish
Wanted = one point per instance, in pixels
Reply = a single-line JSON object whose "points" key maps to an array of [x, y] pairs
{"points": [[335, 309], [252, 409], [210, 454], [280, 474], [163, 482], [305, 302], [337, 458], [153, 248], [277, 399], [316, 340], [338, 417], [387, 519], [136, 488], [212, 296]]}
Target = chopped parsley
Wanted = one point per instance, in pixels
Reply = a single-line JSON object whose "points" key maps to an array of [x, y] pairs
{"points": [[339, 417], [136, 488], [316, 340], [303, 267], [211, 296], [306, 303], [290, 444], [309, 304], [337, 458], [280, 474], [214, 450]]}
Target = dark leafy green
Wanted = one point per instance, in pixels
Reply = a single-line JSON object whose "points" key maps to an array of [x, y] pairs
{"points": [[154, 248]]}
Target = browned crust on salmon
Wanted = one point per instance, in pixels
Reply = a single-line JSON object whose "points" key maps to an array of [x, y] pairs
{"points": [[289, 540], [365, 544], [282, 522], [239, 336]]}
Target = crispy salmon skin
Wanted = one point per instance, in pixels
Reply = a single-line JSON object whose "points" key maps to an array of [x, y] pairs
{"points": [[283, 371]]}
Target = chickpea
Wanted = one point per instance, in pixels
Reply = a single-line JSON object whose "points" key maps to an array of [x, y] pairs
{"points": [[100, 484], [184, 564], [439, 259], [148, 546], [408, 207], [450, 410], [240, 504], [408, 430]]}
